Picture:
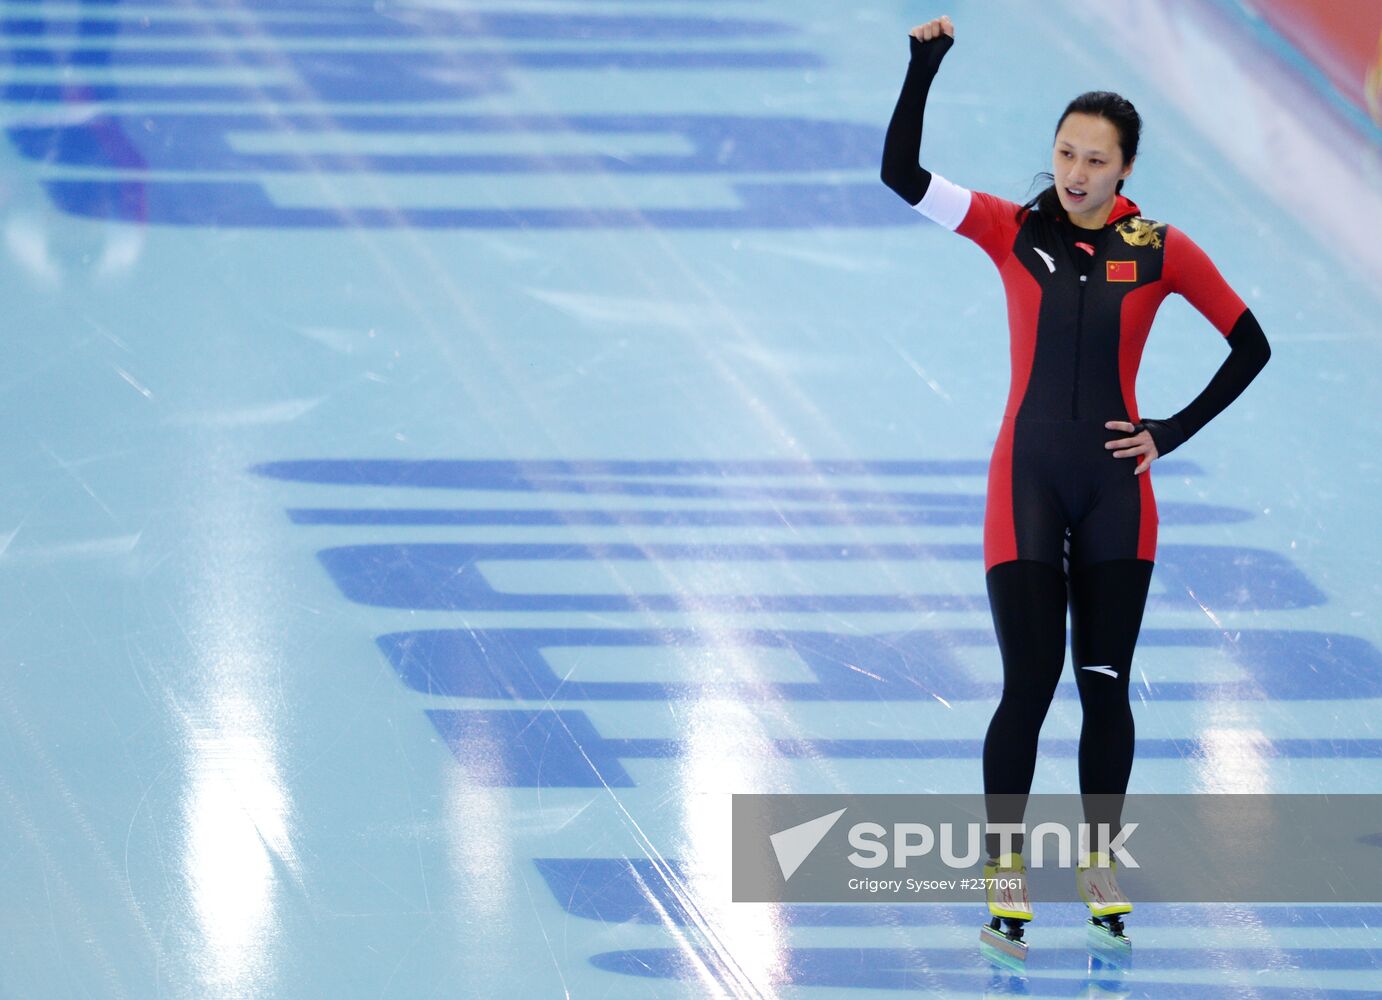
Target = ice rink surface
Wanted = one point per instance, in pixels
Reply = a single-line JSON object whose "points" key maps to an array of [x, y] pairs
{"points": [[452, 447]]}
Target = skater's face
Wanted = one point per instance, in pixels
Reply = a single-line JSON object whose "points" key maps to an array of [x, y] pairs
{"points": [[1088, 164]]}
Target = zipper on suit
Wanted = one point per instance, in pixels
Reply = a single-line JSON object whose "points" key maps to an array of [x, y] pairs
{"points": [[1079, 333]]}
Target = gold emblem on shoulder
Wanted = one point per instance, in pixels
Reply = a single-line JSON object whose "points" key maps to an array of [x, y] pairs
{"points": [[1139, 232]]}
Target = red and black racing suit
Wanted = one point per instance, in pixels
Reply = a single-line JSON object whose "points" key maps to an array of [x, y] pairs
{"points": [[1065, 520]]}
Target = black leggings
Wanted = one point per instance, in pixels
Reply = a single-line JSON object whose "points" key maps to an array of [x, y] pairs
{"points": [[1029, 600]]}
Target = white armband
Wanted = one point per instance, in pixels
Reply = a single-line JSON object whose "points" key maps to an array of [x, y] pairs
{"points": [[944, 203]]}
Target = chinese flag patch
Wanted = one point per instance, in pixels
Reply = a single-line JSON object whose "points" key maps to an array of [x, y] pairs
{"points": [[1122, 270]]}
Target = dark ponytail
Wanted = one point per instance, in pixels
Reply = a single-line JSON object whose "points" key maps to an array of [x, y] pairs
{"points": [[1105, 104]]}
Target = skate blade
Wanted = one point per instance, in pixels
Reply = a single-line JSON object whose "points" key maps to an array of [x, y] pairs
{"points": [[1108, 948], [1001, 950]]}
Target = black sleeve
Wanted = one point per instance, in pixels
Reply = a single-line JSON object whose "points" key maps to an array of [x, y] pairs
{"points": [[1248, 354], [902, 146]]}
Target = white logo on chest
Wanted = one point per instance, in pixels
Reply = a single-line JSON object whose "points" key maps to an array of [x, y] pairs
{"points": [[1050, 261]]}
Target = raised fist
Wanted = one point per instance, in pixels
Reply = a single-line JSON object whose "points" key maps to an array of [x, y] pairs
{"points": [[931, 41]]}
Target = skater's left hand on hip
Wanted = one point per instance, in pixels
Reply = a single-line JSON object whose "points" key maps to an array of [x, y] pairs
{"points": [[1140, 444]]}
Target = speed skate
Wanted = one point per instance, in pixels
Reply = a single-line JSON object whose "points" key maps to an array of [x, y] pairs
{"points": [[1098, 885], [1001, 939]]}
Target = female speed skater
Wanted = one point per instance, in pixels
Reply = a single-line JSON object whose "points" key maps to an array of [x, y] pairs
{"points": [[1068, 519]]}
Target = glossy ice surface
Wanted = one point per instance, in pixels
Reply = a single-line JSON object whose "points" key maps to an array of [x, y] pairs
{"points": [[451, 447]]}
